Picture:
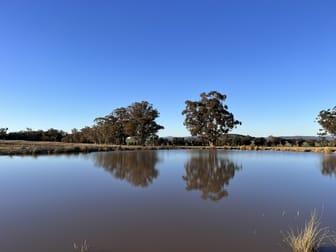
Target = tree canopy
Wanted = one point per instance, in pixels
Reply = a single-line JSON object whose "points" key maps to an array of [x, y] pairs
{"points": [[137, 120], [209, 118], [141, 121], [327, 120]]}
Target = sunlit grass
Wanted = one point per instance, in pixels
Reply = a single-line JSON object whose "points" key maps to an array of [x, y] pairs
{"points": [[18, 147], [310, 238]]}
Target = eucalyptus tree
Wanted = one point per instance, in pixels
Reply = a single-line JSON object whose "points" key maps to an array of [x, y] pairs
{"points": [[117, 121], [111, 128], [141, 122], [209, 118], [88, 135], [136, 120], [101, 129], [327, 120]]}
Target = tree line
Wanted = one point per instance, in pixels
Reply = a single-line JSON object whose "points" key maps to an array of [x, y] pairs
{"points": [[135, 122], [51, 135], [207, 119]]}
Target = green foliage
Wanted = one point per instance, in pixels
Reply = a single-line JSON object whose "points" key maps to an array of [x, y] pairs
{"points": [[141, 121], [3, 133], [51, 135], [209, 118], [327, 120], [136, 121], [306, 144], [260, 141], [111, 128]]}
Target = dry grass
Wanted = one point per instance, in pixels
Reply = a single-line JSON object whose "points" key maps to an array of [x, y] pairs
{"points": [[39, 148], [327, 150], [286, 148], [84, 247], [333, 239], [17, 147], [310, 238]]}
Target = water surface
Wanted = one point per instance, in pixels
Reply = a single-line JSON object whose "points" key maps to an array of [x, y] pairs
{"points": [[180, 200]]}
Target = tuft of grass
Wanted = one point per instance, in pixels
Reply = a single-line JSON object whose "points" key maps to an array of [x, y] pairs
{"points": [[84, 247], [310, 238], [332, 239]]}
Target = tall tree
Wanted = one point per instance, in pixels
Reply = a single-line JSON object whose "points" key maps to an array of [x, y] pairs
{"points": [[141, 121], [88, 135], [111, 128], [103, 130], [137, 120], [327, 120], [118, 119], [209, 118]]}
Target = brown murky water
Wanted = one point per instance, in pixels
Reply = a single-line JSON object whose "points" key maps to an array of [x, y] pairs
{"points": [[162, 200]]}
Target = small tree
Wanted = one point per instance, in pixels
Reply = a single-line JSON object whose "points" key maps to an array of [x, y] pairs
{"points": [[327, 120], [3, 133], [209, 118]]}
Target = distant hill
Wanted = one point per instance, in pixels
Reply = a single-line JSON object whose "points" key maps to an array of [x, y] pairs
{"points": [[315, 138], [329, 138]]}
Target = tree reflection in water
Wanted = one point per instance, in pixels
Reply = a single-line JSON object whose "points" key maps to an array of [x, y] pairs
{"points": [[328, 166], [136, 167], [209, 172]]}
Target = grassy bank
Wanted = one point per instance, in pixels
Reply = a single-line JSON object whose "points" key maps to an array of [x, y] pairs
{"points": [[9, 147], [13, 147], [292, 149]]}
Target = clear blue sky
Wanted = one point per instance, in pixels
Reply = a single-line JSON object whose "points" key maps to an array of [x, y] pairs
{"points": [[65, 62]]}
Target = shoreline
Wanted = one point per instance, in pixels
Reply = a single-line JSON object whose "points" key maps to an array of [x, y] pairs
{"points": [[34, 148], [31, 148]]}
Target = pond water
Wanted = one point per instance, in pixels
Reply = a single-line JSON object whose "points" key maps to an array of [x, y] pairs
{"points": [[167, 200]]}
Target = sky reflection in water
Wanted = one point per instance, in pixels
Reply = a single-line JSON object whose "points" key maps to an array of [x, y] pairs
{"points": [[176, 200]]}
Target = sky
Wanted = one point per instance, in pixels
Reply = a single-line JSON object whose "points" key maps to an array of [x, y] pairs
{"points": [[65, 62]]}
